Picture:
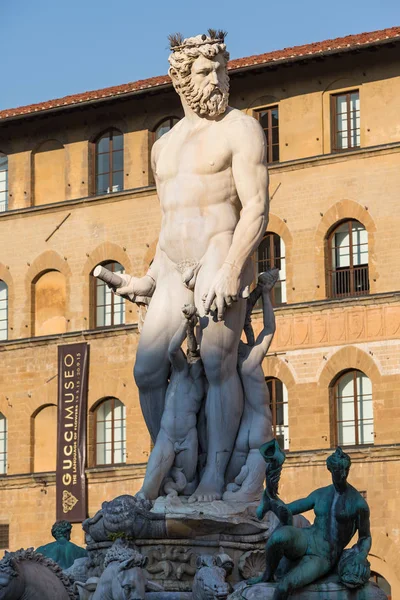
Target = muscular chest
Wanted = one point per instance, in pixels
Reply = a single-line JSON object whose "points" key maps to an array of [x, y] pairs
{"points": [[338, 507], [193, 152]]}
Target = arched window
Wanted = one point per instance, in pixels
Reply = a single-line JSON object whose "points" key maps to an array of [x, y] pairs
{"points": [[352, 397], [45, 439], [110, 432], [109, 308], [165, 126], [49, 298], [271, 254], [3, 182], [278, 402], [109, 162], [348, 260], [3, 310], [3, 444]]}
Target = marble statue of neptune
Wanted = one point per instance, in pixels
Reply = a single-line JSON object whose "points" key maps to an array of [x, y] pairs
{"points": [[212, 182]]}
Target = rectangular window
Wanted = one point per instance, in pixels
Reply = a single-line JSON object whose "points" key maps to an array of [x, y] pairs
{"points": [[4, 536], [345, 112], [269, 121]]}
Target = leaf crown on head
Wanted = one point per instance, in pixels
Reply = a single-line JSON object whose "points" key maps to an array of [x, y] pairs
{"points": [[215, 36]]}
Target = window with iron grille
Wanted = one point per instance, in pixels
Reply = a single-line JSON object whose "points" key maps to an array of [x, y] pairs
{"points": [[110, 432], [109, 309], [278, 402], [3, 310], [353, 409], [3, 445], [271, 255], [269, 121], [109, 162], [3, 182], [345, 109], [348, 260], [4, 536], [165, 126]]}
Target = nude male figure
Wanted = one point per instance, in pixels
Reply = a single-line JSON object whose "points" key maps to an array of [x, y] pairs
{"points": [[177, 442], [246, 466], [212, 182]]}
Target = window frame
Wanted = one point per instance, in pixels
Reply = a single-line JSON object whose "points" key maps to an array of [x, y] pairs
{"points": [[4, 455], [271, 265], [96, 443], [95, 306], [334, 114], [268, 131], [351, 269], [6, 312], [273, 408], [335, 409], [3, 155], [110, 151], [170, 119]]}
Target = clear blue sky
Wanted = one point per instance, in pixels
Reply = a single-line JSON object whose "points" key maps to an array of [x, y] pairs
{"points": [[52, 48]]}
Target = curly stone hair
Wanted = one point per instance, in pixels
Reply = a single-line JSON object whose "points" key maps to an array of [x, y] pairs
{"points": [[185, 52], [338, 459], [61, 529], [8, 566], [120, 552]]}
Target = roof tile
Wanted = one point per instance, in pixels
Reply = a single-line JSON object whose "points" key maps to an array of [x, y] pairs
{"points": [[325, 46]]}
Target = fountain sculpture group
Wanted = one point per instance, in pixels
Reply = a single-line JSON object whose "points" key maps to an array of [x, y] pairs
{"points": [[197, 528]]}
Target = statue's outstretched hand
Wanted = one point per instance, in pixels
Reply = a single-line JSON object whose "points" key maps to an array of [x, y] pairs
{"points": [[136, 286], [224, 290]]}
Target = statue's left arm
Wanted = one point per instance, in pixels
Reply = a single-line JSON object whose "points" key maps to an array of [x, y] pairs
{"points": [[364, 532], [250, 175]]}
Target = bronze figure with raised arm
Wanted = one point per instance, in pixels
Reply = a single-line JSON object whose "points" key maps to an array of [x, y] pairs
{"points": [[212, 182], [340, 512]]}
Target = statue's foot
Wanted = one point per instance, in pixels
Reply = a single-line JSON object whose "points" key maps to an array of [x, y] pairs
{"points": [[266, 577], [267, 279], [242, 495], [207, 491], [254, 580]]}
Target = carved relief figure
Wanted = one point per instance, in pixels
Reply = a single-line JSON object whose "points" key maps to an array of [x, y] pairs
{"points": [[177, 442], [211, 176]]}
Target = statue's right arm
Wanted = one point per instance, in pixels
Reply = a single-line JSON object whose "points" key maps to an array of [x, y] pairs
{"points": [[303, 505], [144, 286]]}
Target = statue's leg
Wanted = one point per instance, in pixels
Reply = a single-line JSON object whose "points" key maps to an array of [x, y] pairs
{"points": [[287, 541], [309, 569], [160, 461], [186, 459], [152, 365], [241, 449], [224, 403]]}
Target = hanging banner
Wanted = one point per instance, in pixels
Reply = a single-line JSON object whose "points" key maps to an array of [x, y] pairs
{"points": [[73, 373]]}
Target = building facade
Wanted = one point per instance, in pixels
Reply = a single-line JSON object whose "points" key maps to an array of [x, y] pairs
{"points": [[76, 191]]}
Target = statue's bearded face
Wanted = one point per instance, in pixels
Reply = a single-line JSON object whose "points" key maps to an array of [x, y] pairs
{"points": [[207, 90]]}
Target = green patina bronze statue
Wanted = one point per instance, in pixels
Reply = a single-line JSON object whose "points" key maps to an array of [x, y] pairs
{"points": [[315, 551], [62, 551]]}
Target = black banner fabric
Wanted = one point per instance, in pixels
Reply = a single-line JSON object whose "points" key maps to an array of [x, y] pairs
{"points": [[73, 373]]}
